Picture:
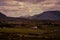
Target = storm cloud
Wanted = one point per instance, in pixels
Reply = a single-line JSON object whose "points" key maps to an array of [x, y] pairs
{"points": [[16, 8], [31, 1]]}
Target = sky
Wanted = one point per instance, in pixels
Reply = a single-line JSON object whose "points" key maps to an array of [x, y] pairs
{"points": [[17, 8]]}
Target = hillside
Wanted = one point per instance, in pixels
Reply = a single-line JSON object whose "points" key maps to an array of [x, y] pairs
{"points": [[48, 15]]}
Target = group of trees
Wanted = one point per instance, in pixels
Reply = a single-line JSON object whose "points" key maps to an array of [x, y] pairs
{"points": [[28, 24]]}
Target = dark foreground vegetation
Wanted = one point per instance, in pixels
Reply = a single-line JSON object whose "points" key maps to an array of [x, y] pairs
{"points": [[28, 34], [24, 30]]}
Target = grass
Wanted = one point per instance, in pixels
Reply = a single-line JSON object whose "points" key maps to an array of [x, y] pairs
{"points": [[22, 30], [27, 33]]}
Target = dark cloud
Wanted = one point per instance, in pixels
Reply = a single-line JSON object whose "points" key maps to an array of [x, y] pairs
{"points": [[16, 8], [58, 3], [31, 1]]}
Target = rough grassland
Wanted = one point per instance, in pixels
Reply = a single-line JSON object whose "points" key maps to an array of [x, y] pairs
{"points": [[28, 34], [22, 30]]}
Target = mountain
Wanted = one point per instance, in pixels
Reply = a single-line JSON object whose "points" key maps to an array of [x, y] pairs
{"points": [[4, 17], [48, 15]]}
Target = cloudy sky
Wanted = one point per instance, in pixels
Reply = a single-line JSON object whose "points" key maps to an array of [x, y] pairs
{"points": [[17, 8]]}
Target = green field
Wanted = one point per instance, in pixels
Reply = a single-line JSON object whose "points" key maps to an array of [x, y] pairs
{"points": [[28, 34]]}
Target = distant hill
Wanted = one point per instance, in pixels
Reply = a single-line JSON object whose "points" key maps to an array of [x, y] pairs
{"points": [[48, 15], [4, 17]]}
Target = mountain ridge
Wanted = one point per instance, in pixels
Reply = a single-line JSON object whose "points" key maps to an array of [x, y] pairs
{"points": [[48, 15]]}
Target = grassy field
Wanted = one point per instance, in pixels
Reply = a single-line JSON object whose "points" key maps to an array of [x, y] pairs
{"points": [[22, 30], [28, 34]]}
